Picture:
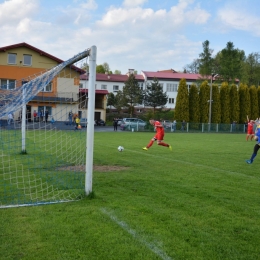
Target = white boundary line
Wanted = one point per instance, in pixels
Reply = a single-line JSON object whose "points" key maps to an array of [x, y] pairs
{"points": [[137, 236]]}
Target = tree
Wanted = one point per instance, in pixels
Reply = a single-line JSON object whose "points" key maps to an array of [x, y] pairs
{"points": [[104, 68], [252, 69], [234, 103], [194, 104], [111, 100], [225, 103], [244, 102], [204, 96], [230, 63], [192, 67], [258, 97], [120, 101], [154, 95], [132, 93], [205, 68], [117, 72], [182, 102], [100, 69], [253, 102], [216, 107]]}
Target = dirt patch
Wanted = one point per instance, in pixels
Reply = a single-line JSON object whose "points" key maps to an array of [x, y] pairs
{"points": [[98, 168]]}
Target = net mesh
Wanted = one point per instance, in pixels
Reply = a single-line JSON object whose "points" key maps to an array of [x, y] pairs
{"points": [[53, 168]]}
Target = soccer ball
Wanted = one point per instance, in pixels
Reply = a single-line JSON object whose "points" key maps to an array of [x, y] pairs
{"points": [[256, 138], [120, 148]]}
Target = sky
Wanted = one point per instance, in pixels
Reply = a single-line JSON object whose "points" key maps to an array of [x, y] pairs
{"points": [[144, 35]]}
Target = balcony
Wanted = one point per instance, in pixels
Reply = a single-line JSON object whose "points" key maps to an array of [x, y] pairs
{"points": [[60, 97]]}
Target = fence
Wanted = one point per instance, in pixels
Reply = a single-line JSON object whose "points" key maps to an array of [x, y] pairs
{"points": [[195, 128]]}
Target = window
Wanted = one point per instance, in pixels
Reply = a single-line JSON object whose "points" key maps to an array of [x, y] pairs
{"points": [[12, 58], [171, 87], [47, 88], [7, 83], [171, 101], [141, 85], [80, 85], [27, 60], [115, 88], [103, 86]]}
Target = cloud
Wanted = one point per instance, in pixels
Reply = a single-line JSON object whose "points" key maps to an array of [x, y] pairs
{"points": [[239, 19], [11, 12], [133, 3]]}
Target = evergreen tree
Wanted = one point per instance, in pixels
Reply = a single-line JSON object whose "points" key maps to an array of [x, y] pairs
{"points": [[234, 103], [194, 104], [216, 106], [132, 93], [120, 101], [244, 102], [225, 103], [154, 95], [204, 96], [182, 102], [253, 103], [111, 100], [230, 63], [206, 60], [252, 71], [258, 98]]}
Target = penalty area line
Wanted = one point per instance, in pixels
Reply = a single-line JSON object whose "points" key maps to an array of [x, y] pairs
{"points": [[134, 234]]}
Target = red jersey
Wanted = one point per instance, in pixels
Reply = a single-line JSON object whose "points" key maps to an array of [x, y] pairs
{"points": [[250, 127], [159, 130]]}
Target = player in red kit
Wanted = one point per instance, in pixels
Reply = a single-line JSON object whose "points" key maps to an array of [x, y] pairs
{"points": [[159, 135], [250, 129]]}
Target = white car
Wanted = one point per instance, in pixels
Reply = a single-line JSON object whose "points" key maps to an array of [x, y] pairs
{"points": [[128, 123]]}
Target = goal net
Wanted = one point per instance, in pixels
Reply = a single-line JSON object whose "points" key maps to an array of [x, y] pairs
{"points": [[42, 154]]}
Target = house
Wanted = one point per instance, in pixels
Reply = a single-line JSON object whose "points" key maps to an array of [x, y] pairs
{"points": [[20, 63], [168, 79]]}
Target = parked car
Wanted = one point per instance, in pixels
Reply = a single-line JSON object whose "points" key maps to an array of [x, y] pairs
{"points": [[100, 122], [84, 122], [129, 123], [166, 123]]}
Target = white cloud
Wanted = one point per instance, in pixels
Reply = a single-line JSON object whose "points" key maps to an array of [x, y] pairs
{"points": [[240, 20], [133, 3], [11, 12]]}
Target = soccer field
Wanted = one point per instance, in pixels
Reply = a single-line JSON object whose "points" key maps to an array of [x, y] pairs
{"points": [[199, 201]]}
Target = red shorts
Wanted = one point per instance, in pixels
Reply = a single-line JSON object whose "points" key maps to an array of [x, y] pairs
{"points": [[159, 136], [250, 132]]}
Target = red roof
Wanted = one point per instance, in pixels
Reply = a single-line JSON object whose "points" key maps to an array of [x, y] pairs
{"points": [[98, 91], [112, 77], [42, 53], [167, 75]]}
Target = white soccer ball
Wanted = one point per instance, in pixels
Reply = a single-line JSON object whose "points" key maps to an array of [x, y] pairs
{"points": [[120, 148]]}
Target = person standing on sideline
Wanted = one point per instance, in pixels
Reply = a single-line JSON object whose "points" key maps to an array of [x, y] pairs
{"points": [[183, 124], [115, 124], [10, 118], [46, 116], [70, 117], [77, 121], [158, 136], [250, 129], [257, 145], [174, 123]]}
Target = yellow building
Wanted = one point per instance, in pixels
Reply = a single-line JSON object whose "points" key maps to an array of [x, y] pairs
{"points": [[21, 62]]}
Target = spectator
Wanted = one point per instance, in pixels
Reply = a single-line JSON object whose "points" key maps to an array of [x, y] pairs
{"points": [[174, 123], [10, 118], [115, 124], [183, 125]]}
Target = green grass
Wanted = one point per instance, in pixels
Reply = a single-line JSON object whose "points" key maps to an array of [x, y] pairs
{"points": [[200, 201]]}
